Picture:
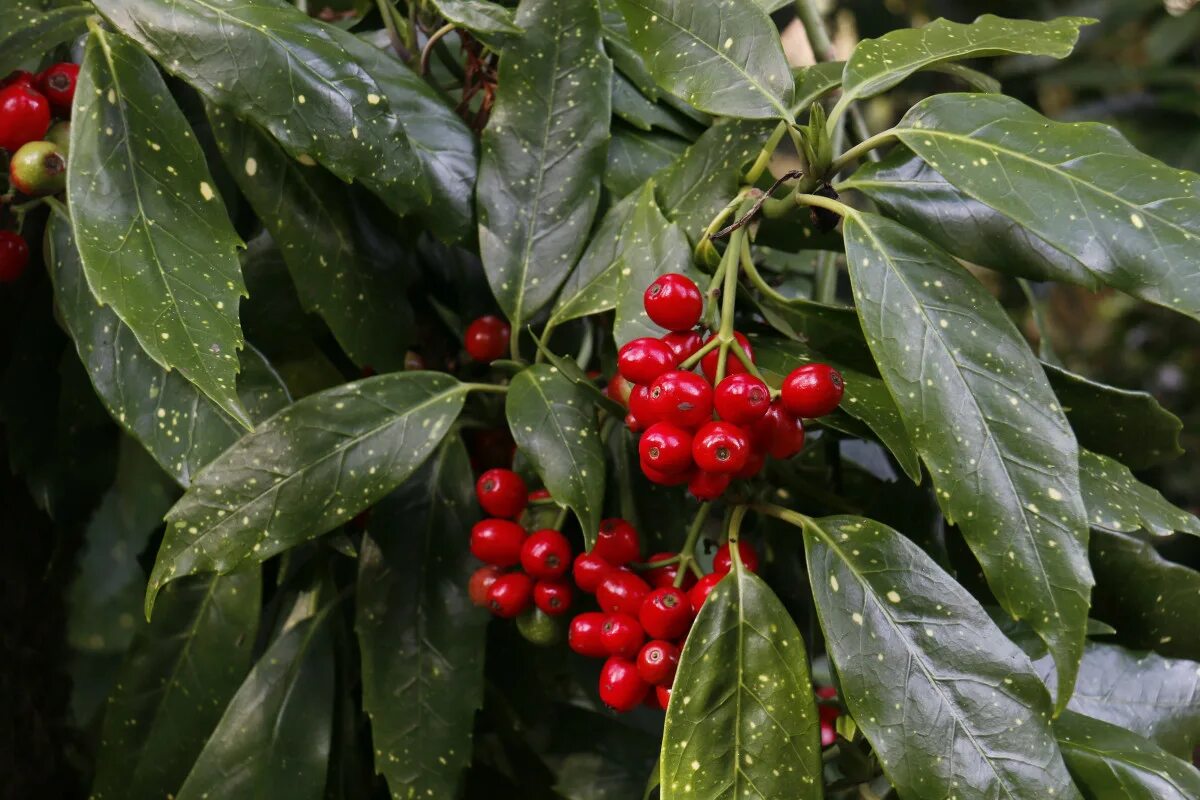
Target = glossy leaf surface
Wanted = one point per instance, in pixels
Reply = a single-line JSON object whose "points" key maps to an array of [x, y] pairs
{"points": [[31, 29], [1117, 501], [1109, 761], [491, 23], [634, 156], [591, 288]]}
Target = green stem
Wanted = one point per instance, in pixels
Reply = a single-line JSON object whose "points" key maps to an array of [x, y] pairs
{"points": [[433, 39], [861, 149], [779, 512], [817, 200], [760, 283], [486, 387], [859, 123], [687, 554], [560, 518], [695, 357], [729, 302], [814, 28], [825, 290], [717, 223], [764, 155], [665, 562]]}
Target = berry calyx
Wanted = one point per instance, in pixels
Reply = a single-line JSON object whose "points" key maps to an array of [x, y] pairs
{"points": [[538, 627], [24, 116], [622, 592], [617, 542], [546, 554], [779, 433], [14, 256], [642, 360], [733, 364], [666, 448], [553, 597], [720, 447], [622, 635], [481, 582], [706, 486], [502, 493], [583, 635], [683, 343], [510, 595], [621, 688], [812, 390], [589, 570], [666, 614], [497, 541], [38, 169], [657, 662], [674, 302], [723, 560], [487, 338], [681, 398], [741, 399], [703, 588], [664, 577], [58, 84]]}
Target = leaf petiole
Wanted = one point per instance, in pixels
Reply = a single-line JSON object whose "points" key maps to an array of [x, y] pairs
{"points": [[687, 553]]}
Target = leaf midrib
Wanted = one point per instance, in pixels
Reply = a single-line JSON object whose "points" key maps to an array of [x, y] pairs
{"points": [[563, 438]]}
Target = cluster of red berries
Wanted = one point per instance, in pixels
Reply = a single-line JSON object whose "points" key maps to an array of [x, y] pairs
{"points": [[487, 338], [673, 408], [522, 570], [37, 152]]}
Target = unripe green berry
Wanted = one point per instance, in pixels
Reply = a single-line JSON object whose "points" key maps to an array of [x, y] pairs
{"points": [[60, 135], [538, 627], [38, 169]]}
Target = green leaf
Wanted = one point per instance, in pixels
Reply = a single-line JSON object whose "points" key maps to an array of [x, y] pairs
{"points": [[575, 374], [308, 213], [591, 288], [1130, 426], [829, 329], [865, 398], [1144, 693], [153, 235], [620, 48], [642, 113], [950, 706], [1108, 761], [980, 412], [1132, 221], [634, 156], [725, 58], [274, 738], [742, 720], [306, 470], [31, 30], [814, 82], [180, 427], [1149, 600], [877, 65], [1117, 501], [491, 23], [173, 686], [422, 642], [554, 423], [651, 246], [543, 154]]}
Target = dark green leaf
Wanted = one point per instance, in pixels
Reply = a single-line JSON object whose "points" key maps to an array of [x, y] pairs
{"points": [[620, 48], [574, 373], [1109, 762], [982, 416], [833, 330], [421, 640], [30, 30], [639, 111], [865, 399], [725, 58], [491, 23], [152, 233], [1144, 693], [1130, 220], [1151, 601], [553, 422], [308, 213], [1129, 426], [877, 65], [1117, 501], [306, 470], [174, 685], [180, 427], [591, 288], [742, 720], [633, 156], [950, 706], [813, 83], [543, 154], [274, 738]]}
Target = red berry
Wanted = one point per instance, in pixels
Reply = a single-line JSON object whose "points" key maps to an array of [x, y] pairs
{"points": [[733, 364], [487, 338], [617, 542], [707, 486], [511, 594], [621, 688], [622, 592], [634, 424], [741, 398], [642, 409], [754, 463], [657, 662], [618, 389], [19, 76], [720, 447], [812, 390], [665, 478], [827, 711], [539, 494], [546, 554], [666, 448], [674, 302], [481, 581], [663, 695], [664, 577], [643, 360], [779, 433], [502, 493], [622, 635], [553, 597], [589, 571], [683, 343], [681, 398], [723, 561], [58, 84], [703, 588], [583, 636], [14, 256], [24, 116], [666, 614], [497, 541]]}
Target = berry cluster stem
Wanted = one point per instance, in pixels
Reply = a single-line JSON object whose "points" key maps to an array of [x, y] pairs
{"points": [[687, 553]]}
